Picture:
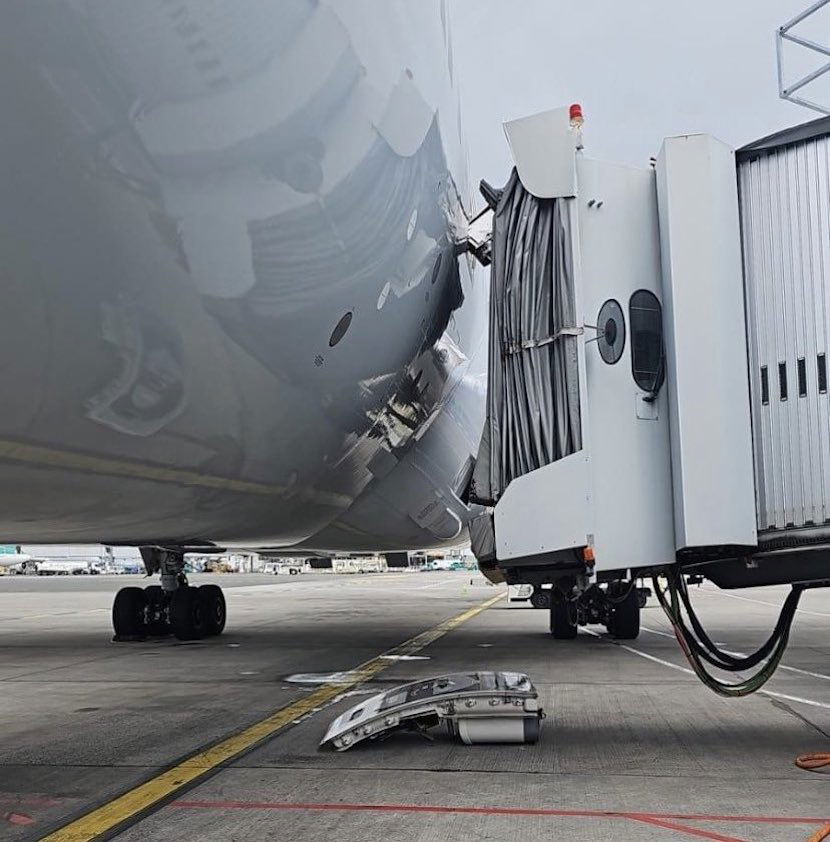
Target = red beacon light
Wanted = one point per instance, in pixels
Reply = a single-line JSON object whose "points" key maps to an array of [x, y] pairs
{"points": [[576, 116]]}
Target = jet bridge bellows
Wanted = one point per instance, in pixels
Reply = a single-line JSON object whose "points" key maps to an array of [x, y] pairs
{"points": [[658, 381], [533, 387]]}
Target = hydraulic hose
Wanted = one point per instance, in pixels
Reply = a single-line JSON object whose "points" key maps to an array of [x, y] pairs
{"points": [[698, 646], [725, 660]]}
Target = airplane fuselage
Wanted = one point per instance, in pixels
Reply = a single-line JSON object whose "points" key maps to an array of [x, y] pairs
{"points": [[234, 310]]}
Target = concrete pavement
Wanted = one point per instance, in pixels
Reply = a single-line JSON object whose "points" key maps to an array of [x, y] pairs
{"points": [[633, 747]]}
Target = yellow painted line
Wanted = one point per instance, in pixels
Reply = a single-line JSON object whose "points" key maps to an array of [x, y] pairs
{"points": [[143, 797], [50, 457]]}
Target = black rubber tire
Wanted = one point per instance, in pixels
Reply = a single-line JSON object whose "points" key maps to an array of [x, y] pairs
{"points": [[158, 627], [563, 624], [625, 615], [213, 606], [187, 615], [128, 612]]}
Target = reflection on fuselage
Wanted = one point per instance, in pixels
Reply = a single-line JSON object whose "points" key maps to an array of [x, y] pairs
{"points": [[235, 312]]}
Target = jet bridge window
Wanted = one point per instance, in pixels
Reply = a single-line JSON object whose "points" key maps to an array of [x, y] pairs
{"points": [[645, 319]]}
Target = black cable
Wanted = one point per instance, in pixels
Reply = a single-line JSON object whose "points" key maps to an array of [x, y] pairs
{"points": [[785, 619], [724, 660], [695, 653], [618, 599]]}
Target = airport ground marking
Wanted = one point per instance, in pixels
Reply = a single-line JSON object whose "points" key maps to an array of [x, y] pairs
{"points": [[737, 654], [669, 821], [711, 592], [137, 802], [771, 693]]}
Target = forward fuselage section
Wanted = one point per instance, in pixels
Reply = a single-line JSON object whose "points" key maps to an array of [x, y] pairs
{"points": [[234, 307]]}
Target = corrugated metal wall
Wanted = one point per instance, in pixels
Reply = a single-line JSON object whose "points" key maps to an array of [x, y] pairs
{"points": [[785, 218]]}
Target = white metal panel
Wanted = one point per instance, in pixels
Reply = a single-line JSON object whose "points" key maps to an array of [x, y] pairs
{"points": [[615, 494], [714, 496], [544, 150], [785, 214], [548, 509], [619, 248]]}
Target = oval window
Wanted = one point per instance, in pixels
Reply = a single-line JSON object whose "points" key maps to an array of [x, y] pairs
{"points": [[645, 318], [340, 329]]}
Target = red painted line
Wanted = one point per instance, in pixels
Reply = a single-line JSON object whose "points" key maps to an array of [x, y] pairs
{"points": [[684, 828], [18, 818], [489, 811], [29, 800], [706, 817]]}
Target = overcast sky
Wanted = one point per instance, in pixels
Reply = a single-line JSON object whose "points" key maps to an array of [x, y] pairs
{"points": [[642, 69]]}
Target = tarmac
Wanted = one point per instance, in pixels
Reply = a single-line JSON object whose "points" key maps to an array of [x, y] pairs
{"points": [[218, 739]]}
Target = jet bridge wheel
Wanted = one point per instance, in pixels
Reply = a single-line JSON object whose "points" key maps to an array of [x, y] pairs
{"points": [[624, 615], [563, 619]]}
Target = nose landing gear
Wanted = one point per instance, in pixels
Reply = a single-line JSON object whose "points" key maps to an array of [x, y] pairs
{"points": [[174, 607]]}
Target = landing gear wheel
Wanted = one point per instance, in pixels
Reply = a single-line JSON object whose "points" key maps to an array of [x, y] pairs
{"points": [[624, 623], [213, 607], [563, 624], [128, 609], [157, 624], [187, 615]]}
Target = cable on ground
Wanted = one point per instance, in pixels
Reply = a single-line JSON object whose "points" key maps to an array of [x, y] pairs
{"points": [[821, 835]]}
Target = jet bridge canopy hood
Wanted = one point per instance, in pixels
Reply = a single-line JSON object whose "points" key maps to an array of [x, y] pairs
{"points": [[642, 360], [576, 454]]}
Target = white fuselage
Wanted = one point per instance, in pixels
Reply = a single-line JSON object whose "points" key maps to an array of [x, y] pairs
{"points": [[234, 310]]}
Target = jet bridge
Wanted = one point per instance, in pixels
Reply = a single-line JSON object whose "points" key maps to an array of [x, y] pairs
{"points": [[657, 393]]}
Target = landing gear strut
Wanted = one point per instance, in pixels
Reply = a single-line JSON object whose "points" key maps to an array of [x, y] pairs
{"points": [[173, 607]]}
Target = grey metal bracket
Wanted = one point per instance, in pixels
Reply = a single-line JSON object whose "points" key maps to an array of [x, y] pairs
{"points": [[783, 35]]}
